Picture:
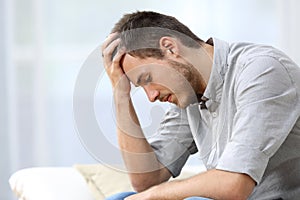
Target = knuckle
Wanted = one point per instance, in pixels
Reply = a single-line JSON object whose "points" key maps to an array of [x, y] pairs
{"points": [[104, 53], [103, 46], [115, 62]]}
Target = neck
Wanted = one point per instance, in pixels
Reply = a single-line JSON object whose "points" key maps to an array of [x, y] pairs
{"points": [[202, 60]]}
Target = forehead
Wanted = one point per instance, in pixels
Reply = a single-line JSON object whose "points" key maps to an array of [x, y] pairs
{"points": [[132, 63]]}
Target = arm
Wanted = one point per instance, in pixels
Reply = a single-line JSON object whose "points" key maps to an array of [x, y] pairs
{"points": [[216, 184], [140, 160]]}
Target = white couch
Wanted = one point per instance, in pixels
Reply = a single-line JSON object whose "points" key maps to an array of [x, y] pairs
{"points": [[49, 183], [88, 182]]}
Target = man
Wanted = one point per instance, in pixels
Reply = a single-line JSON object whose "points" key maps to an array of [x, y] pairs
{"points": [[237, 104]]}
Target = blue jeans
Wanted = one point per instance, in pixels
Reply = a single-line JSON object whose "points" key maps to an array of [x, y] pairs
{"points": [[122, 195]]}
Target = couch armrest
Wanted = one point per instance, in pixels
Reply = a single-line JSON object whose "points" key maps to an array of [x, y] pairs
{"points": [[49, 183]]}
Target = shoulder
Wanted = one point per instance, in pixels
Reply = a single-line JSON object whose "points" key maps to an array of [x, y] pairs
{"points": [[250, 60], [244, 53]]}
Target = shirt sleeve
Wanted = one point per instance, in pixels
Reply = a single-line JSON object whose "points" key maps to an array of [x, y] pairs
{"points": [[173, 143], [267, 107]]}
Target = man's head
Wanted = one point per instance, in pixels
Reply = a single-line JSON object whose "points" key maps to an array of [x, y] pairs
{"points": [[141, 32], [161, 54]]}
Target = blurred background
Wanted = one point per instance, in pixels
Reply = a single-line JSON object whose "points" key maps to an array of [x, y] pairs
{"points": [[44, 43]]}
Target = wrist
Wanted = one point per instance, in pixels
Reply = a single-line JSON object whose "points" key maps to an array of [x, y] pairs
{"points": [[121, 95]]}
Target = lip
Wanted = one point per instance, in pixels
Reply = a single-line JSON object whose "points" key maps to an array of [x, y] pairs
{"points": [[166, 98], [169, 99]]}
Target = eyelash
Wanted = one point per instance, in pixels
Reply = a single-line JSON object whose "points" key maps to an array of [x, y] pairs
{"points": [[148, 79]]}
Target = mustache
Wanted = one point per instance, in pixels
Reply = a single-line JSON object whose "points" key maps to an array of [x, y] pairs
{"points": [[163, 97]]}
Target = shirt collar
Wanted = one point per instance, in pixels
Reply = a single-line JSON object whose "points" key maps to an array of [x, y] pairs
{"points": [[214, 87]]}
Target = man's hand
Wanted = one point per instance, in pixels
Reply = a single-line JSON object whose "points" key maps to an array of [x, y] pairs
{"points": [[112, 66]]}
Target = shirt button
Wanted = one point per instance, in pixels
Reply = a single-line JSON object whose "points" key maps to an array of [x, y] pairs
{"points": [[214, 114]]}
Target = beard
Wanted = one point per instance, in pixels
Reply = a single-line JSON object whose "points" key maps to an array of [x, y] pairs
{"points": [[194, 84]]}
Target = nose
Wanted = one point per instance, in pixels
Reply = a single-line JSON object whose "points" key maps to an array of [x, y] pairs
{"points": [[152, 93]]}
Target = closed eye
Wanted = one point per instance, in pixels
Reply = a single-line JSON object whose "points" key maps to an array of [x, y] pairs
{"points": [[148, 79], [143, 79]]}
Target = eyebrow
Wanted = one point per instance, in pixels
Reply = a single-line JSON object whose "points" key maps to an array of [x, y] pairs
{"points": [[139, 79]]}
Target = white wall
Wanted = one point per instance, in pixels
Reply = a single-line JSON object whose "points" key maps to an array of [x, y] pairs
{"points": [[4, 136], [289, 16]]}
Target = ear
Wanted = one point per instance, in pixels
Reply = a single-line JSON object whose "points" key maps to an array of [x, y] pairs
{"points": [[169, 46]]}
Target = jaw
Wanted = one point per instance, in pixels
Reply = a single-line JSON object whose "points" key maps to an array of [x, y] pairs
{"points": [[184, 100]]}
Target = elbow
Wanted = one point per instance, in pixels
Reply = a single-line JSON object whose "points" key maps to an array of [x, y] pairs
{"points": [[139, 188], [143, 181], [140, 184]]}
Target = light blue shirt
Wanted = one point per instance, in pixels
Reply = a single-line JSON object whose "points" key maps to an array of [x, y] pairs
{"points": [[251, 124]]}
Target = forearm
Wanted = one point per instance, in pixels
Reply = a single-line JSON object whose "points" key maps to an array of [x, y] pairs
{"points": [[139, 157], [215, 184]]}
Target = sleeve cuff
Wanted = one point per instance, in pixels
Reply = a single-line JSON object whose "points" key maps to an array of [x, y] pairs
{"points": [[173, 161], [243, 159]]}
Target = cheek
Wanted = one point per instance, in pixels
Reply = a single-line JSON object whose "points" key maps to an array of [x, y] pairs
{"points": [[175, 80], [175, 84], [186, 74]]}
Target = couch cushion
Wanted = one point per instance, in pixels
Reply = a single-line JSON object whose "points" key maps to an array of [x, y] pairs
{"points": [[50, 183], [104, 180]]}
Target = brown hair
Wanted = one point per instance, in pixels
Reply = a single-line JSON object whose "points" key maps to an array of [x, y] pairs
{"points": [[140, 33]]}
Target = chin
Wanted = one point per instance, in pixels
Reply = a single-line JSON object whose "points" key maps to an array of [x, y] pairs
{"points": [[185, 103], [182, 105]]}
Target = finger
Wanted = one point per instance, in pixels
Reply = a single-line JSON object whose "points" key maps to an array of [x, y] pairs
{"points": [[119, 55], [108, 40], [107, 53]]}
